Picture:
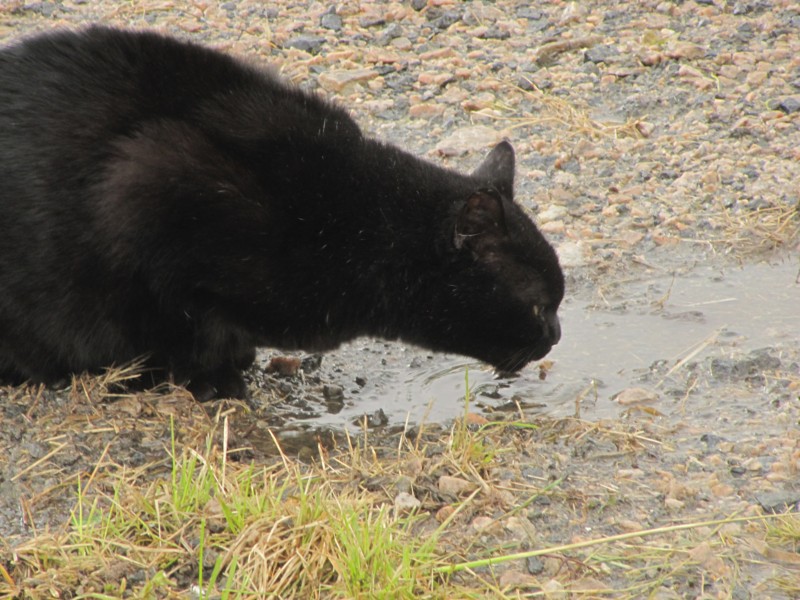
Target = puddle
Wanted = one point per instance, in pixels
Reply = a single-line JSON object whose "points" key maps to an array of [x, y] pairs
{"points": [[607, 341]]}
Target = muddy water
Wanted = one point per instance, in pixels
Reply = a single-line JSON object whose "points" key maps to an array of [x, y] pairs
{"points": [[611, 335]]}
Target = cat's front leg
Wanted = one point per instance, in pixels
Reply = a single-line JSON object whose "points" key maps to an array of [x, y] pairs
{"points": [[223, 382]]}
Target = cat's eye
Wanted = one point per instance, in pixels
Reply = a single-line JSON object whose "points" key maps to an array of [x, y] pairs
{"points": [[537, 310]]}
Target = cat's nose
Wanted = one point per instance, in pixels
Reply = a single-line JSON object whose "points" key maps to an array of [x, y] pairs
{"points": [[555, 329], [550, 325]]}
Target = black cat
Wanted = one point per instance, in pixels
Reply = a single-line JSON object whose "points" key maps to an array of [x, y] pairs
{"points": [[160, 198]]}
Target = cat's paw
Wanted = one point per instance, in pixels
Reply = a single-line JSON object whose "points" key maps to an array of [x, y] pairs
{"points": [[224, 382]]}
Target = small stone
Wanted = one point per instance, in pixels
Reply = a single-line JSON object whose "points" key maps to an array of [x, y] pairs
{"points": [[635, 396], [535, 565], [476, 419], [527, 12], [630, 525], [554, 590], [482, 523], [371, 21], [554, 227], [419, 4], [371, 420], [495, 33], [455, 486], [756, 78], [448, 18], [405, 502], [337, 81], [389, 34], [516, 579], [445, 513], [402, 43], [685, 50], [333, 393], [551, 213], [570, 254], [600, 54], [789, 105], [331, 21], [674, 504], [305, 42], [466, 139], [425, 111], [779, 502]]}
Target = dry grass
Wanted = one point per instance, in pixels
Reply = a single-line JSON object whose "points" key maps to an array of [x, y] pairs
{"points": [[200, 519], [561, 115], [765, 229]]}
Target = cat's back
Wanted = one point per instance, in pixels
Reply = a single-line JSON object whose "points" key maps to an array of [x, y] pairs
{"points": [[101, 76]]}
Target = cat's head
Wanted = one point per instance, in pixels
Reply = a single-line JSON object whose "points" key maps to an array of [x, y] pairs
{"points": [[503, 284]]}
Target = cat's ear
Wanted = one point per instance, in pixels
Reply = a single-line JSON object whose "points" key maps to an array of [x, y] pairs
{"points": [[482, 219], [497, 169]]}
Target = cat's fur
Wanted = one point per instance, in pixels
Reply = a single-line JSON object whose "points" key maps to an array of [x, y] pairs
{"points": [[160, 198]]}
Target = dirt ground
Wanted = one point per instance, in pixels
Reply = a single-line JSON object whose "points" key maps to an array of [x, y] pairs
{"points": [[654, 140]]}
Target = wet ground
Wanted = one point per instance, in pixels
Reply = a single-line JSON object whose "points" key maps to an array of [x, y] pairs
{"points": [[617, 335]]}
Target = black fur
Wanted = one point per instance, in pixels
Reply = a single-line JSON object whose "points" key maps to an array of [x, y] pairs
{"points": [[161, 198]]}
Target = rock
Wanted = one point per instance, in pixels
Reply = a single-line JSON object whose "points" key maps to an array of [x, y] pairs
{"points": [[375, 419], [446, 19], [526, 12], [333, 393], [306, 42], [495, 33], [779, 502], [332, 21], [425, 111], [570, 254], [419, 4], [468, 139], [554, 590], [405, 502], [635, 396], [516, 579], [554, 212], [445, 513], [600, 54], [535, 565], [790, 105], [684, 50], [455, 486], [338, 80], [482, 523], [371, 21], [391, 32]]}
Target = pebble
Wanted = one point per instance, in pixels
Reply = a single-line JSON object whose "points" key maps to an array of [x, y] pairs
{"points": [[425, 111], [305, 42], [404, 503], [790, 105], [482, 523], [468, 139], [455, 486], [333, 393], [516, 579], [339, 80], [331, 21]]}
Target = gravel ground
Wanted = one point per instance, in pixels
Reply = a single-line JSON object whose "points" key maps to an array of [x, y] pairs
{"points": [[651, 137]]}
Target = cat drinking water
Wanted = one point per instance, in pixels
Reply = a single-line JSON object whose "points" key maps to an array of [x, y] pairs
{"points": [[162, 199]]}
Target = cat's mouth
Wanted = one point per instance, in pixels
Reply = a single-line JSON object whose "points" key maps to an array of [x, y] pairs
{"points": [[516, 362], [550, 336]]}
